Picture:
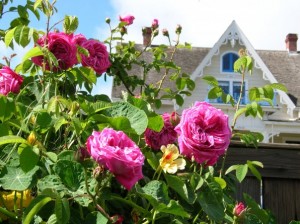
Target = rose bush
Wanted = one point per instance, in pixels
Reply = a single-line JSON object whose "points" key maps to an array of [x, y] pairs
{"points": [[70, 156]]}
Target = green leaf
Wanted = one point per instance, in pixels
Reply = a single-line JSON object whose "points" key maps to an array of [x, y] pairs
{"points": [[62, 210], [179, 99], [214, 92], [21, 35], [137, 118], [241, 172], [211, 80], [52, 182], [71, 173], [253, 170], [183, 189], [70, 24], [231, 168], [12, 139], [9, 36], [35, 206], [37, 4], [14, 178], [155, 192], [180, 83], [173, 208], [152, 159], [95, 218], [221, 182], [36, 51], [155, 122], [66, 155], [279, 86], [43, 120], [254, 208], [26, 163], [196, 181], [7, 108], [210, 198], [239, 112]]}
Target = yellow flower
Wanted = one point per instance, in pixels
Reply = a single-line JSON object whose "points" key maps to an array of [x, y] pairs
{"points": [[170, 162], [9, 197]]}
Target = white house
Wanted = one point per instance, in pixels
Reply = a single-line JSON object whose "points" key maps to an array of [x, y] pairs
{"points": [[281, 123]]}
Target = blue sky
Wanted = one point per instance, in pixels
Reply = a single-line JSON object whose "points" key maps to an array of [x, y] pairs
{"points": [[265, 22]]}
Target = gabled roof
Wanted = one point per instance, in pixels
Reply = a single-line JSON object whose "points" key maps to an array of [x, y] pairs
{"points": [[277, 66], [232, 34]]}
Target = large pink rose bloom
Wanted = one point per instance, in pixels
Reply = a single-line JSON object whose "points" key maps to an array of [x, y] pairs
{"points": [[98, 58], [117, 153], [166, 136], [63, 47], [204, 133], [127, 19], [9, 81]]}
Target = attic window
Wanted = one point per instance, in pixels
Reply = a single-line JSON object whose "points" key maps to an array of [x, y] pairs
{"points": [[228, 61]]}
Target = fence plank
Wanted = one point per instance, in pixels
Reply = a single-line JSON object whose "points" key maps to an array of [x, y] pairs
{"points": [[250, 186], [281, 196]]}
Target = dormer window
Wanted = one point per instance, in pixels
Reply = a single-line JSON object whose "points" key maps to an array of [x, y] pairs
{"points": [[228, 62]]}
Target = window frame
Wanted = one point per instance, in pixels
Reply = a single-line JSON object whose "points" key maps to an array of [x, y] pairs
{"points": [[231, 81], [222, 63]]}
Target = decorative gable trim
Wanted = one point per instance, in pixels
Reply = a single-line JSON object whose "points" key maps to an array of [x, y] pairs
{"points": [[232, 34]]}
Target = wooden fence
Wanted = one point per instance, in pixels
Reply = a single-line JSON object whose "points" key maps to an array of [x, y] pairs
{"points": [[279, 190]]}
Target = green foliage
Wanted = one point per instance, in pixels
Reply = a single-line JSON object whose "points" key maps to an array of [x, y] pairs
{"points": [[44, 130]]}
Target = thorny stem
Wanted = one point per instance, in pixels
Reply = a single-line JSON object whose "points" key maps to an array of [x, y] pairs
{"points": [[235, 119], [93, 197], [171, 59]]}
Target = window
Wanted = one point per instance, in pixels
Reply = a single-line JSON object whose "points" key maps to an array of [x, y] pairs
{"points": [[233, 88], [228, 62]]}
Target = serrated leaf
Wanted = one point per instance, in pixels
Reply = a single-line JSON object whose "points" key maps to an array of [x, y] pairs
{"points": [[137, 118], [210, 199], [254, 171], [179, 99], [182, 188], [37, 4], [241, 172], [257, 163], [239, 112], [70, 173], [231, 168], [211, 80], [21, 35], [36, 51], [221, 182], [70, 24], [9, 36], [279, 86], [173, 208]]}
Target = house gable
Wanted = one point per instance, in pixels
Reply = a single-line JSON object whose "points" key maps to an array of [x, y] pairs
{"points": [[235, 36]]}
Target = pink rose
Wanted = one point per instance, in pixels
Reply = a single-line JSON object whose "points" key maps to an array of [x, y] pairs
{"points": [[166, 136], [62, 46], [155, 24], [9, 81], [204, 133], [127, 19], [98, 58], [239, 209], [78, 39], [117, 153]]}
